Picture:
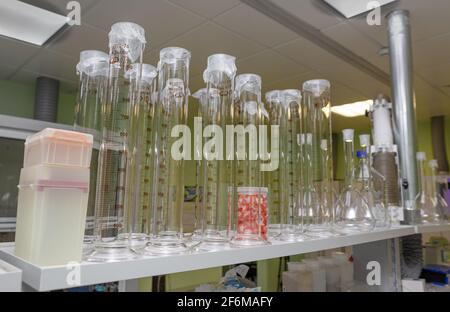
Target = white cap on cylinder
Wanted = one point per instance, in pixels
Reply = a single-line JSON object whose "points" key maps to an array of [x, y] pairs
{"points": [[364, 140], [433, 163], [421, 156], [349, 134]]}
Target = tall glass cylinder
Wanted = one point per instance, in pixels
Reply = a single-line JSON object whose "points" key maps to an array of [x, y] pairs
{"points": [[139, 171], [427, 199], [317, 194], [172, 142], [274, 107], [353, 214], [93, 73], [250, 199], [217, 170], [126, 43], [290, 166]]}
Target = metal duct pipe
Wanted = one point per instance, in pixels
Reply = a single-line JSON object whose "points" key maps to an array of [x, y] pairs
{"points": [[404, 116], [46, 99], [438, 139]]}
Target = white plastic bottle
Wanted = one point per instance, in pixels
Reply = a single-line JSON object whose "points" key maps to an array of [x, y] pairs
{"points": [[298, 278], [346, 270], [333, 273], [319, 275]]}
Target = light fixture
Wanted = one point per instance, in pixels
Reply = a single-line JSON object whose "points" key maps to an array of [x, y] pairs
{"points": [[28, 23], [352, 110], [351, 8]]}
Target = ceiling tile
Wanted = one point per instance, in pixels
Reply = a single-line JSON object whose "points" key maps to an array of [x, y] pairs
{"points": [[270, 65], [209, 39], [161, 20], [429, 100], [78, 38], [207, 8], [6, 71], [316, 13], [14, 53], [252, 24], [332, 68], [437, 75], [53, 65], [431, 53], [59, 7], [349, 37]]}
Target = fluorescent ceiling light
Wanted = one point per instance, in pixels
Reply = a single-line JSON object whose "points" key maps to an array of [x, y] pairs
{"points": [[350, 8], [28, 23], [353, 109]]}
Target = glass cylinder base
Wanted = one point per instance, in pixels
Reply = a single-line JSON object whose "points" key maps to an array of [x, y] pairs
{"points": [[214, 240], [349, 227], [167, 243], [243, 240], [111, 252]]}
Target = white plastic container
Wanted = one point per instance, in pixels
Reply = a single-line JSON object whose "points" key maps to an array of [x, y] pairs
{"points": [[58, 147], [51, 214], [319, 275], [298, 278], [333, 274], [346, 268], [10, 278]]}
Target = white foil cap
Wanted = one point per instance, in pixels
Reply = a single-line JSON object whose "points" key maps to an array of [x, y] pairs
{"points": [[220, 63], [421, 156], [248, 82], [349, 134], [433, 163], [93, 62], [317, 87], [364, 140], [130, 34]]}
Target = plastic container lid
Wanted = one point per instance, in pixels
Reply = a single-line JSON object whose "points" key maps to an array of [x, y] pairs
{"points": [[349, 134], [219, 63], [296, 266], [130, 34], [61, 135], [317, 87], [47, 176], [361, 154], [252, 190]]}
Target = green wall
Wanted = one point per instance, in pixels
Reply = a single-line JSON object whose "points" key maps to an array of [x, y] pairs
{"points": [[18, 100]]}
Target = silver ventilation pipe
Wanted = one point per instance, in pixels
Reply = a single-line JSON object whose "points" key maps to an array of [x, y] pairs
{"points": [[46, 99], [404, 115]]}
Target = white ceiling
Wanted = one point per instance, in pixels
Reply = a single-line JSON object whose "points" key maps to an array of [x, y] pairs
{"points": [[262, 46]]}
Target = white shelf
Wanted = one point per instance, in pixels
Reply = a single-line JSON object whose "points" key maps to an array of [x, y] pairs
{"points": [[432, 228], [55, 277]]}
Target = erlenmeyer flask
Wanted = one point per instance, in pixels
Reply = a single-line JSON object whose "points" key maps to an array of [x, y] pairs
{"points": [[439, 203], [426, 200], [353, 214], [126, 43], [167, 235]]}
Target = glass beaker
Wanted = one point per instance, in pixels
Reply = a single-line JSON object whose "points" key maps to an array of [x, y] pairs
{"points": [[217, 168], [170, 152], [139, 165], [249, 198], [290, 166], [126, 43], [317, 199], [353, 214], [274, 107], [93, 73]]}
